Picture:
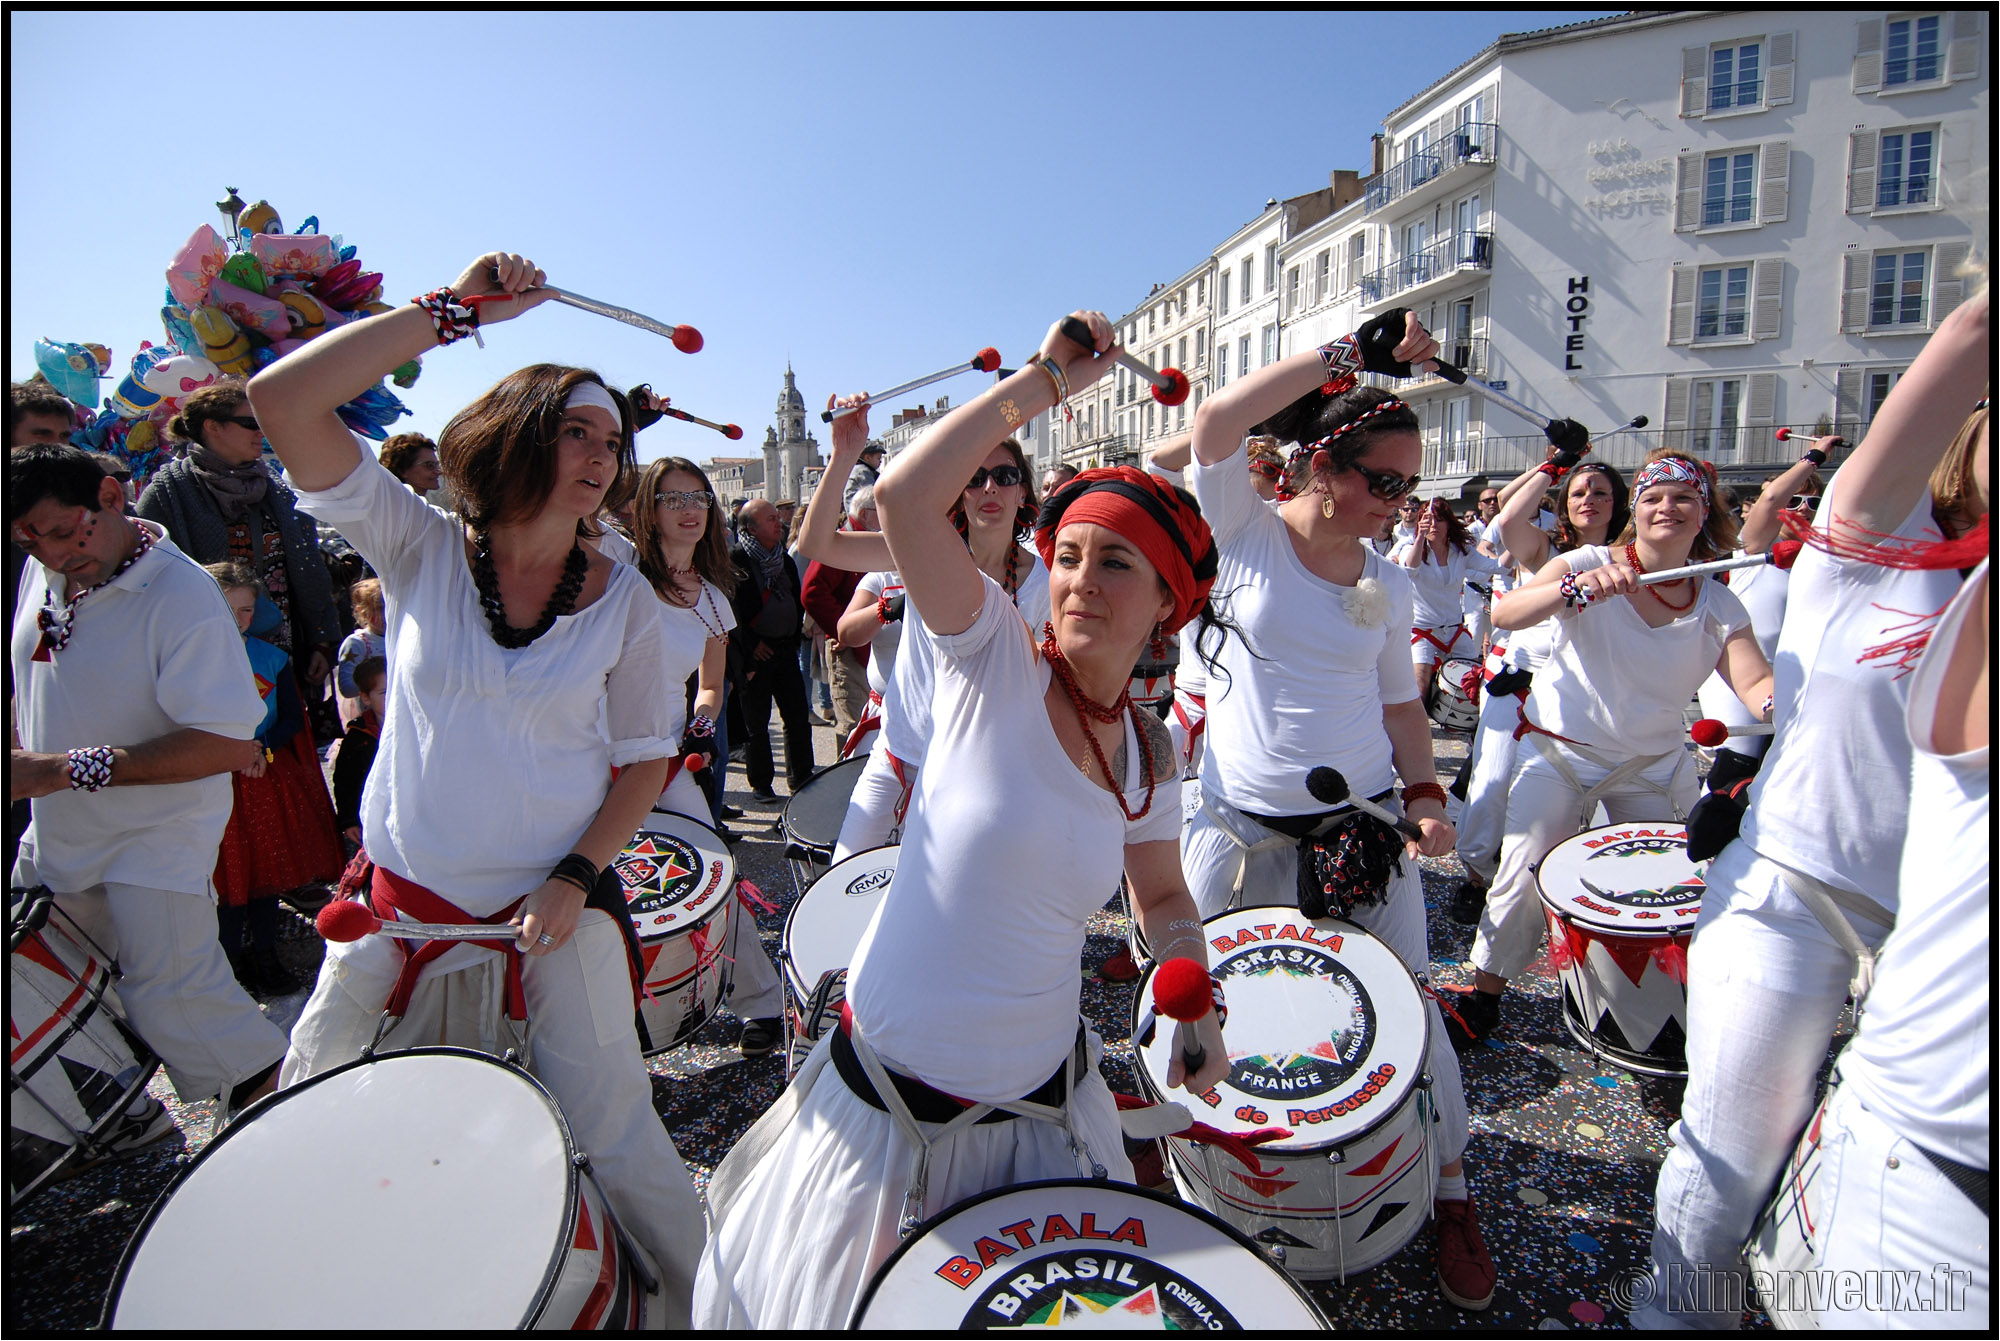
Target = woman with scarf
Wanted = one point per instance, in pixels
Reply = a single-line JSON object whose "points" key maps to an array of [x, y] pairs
{"points": [[219, 503], [1321, 676], [1041, 782]]}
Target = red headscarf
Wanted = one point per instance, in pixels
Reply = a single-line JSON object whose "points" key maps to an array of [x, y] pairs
{"points": [[1161, 522]]}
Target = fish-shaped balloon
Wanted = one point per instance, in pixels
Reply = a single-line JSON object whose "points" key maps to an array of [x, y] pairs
{"points": [[73, 369]]}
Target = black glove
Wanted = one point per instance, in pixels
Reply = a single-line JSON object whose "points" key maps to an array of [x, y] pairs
{"points": [[891, 608], [1377, 340], [642, 415], [1731, 767], [1571, 441], [1715, 819], [699, 738]]}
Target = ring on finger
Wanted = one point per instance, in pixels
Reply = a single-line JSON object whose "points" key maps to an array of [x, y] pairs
{"points": [[545, 939]]}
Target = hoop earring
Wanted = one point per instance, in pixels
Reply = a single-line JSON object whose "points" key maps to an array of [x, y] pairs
{"points": [[1159, 642]]}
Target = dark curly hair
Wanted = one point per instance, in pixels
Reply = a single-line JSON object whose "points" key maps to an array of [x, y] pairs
{"points": [[400, 452]]}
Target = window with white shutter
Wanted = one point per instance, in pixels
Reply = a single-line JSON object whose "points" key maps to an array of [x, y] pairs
{"points": [[1767, 291], [1867, 56], [1743, 74], [1906, 160], [1848, 384], [1862, 148], [1901, 290], [1722, 304], [1674, 418], [1680, 305], [1962, 58], [1774, 182], [1913, 52], [1715, 416]]}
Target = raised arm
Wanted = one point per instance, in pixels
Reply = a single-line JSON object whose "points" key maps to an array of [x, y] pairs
{"points": [[1174, 456], [1890, 471], [917, 489], [821, 537], [1388, 344], [1761, 523], [1520, 505], [295, 398]]}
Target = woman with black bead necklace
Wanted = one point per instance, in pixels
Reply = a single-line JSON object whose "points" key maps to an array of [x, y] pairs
{"points": [[492, 798]]}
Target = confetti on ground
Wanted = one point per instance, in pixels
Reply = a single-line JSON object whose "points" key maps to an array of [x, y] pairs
{"points": [[1585, 1311], [1590, 1131], [1583, 1243], [1605, 1082], [1533, 1196]]}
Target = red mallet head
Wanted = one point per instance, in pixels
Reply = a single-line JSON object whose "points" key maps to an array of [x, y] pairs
{"points": [[987, 359], [1181, 991], [1784, 435], [346, 920], [687, 339], [1176, 389], [1708, 733], [1785, 553], [731, 432]]}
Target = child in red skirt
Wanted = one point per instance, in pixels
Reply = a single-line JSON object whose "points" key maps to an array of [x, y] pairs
{"points": [[281, 834]]}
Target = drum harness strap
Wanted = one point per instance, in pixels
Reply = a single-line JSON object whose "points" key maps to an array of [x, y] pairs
{"points": [[1835, 907], [393, 893], [897, 766], [1258, 833], [892, 1101], [1195, 729], [870, 720], [1621, 772], [1421, 634]]}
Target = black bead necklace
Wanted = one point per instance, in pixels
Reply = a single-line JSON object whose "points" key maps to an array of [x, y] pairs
{"points": [[561, 601]]}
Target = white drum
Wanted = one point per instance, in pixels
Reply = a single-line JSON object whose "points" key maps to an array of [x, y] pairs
{"points": [[824, 929], [680, 887], [1454, 701], [812, 820], [72, 1064], [1621, 902], [443, 1193], [1784, 1244], [1328, 1036], [1080, 1254]]}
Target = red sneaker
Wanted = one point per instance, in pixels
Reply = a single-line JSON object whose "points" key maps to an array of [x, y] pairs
{"points": [[1465, 1269], [1120, 967]]}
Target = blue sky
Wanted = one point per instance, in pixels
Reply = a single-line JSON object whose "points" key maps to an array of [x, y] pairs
{"points": [[871, 196]]}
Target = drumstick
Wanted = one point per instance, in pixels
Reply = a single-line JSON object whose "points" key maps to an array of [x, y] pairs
{"points": [[1181, 992], [729, 431], [1170, 385], [1782, 555], [692, 762], [1786, 435], [1709, 733], [1453, 373], [986, 360], [686, 338], [1328, 786], [350, 920]]}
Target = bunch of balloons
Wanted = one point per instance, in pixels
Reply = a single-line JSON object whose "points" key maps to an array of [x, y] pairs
{"points": [[233, 305]]}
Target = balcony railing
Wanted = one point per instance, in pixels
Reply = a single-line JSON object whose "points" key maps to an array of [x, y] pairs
{"points": [[1466, 353], [1502, 457], [1469, 142], [1110, 449], [1451, 253]]}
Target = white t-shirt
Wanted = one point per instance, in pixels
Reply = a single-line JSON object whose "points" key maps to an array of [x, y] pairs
{"points": [[1922, 1058], [882, 648], [1438, 589], [153, 652], [1832, 799], [1762, 590], [685, 633], [1618, 685], [616, 547], [1306, 683], [906, 708], [1008, 853], [493, 761]]}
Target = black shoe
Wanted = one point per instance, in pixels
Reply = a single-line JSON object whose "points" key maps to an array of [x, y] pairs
{"points": [[764, 794], [1470, 1017], [760, 1037], [728, 835], [730, 812], [1468, 903]]}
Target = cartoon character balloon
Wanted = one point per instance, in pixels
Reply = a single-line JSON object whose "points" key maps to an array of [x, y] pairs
{"points": [[73, 369]]}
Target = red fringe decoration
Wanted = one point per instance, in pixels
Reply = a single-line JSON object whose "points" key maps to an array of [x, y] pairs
{"points": [[1891, 551], [1903, 652]]}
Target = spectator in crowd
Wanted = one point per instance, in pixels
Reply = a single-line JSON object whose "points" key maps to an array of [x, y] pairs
{"points": [[281, 835], [1055, 477], [133, 703], [1267, 467], [116, 467], [37, 412], [219, 503], [865, 473], [814, 638], [828, 591], [765, 649], [356, 753], [413, 459], [369, 639]]}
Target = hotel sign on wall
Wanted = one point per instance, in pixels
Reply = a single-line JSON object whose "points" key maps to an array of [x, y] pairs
{"points": [[1625, 183]]}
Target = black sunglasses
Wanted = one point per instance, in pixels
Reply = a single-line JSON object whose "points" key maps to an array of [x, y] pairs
{"points": [[244, 421], [1002, 476], [1387, 485]]}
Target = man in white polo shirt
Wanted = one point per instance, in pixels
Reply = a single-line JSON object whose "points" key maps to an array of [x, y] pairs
{"points": [[133, 702]]}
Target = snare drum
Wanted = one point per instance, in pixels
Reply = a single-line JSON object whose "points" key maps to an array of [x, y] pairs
{"points": [[73, 1066], [680, 883], [1454, 703], [824, 929], [1074, 1253], [1784, 1244], [1621, 902], [813, 818], [1328, 1036], [444, 1186]]}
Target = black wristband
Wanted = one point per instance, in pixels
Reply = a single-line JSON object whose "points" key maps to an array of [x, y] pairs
{"points": [[577, 870], [1814, 455]]}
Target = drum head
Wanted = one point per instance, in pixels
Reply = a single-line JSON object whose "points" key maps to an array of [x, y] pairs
{"points": [[1080, 1254], [826, 925], [436, 1184], [676, 872], [1628, 879], [817, 810], [1327, 1031]]}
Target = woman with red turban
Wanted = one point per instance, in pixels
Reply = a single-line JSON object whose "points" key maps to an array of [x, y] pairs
{"points": [[1042, 783]]}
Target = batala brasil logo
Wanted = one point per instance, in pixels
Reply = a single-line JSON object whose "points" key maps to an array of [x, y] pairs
{"points": [[1312, 1020], [659, 872], [1082, 1287], [1659, 857]]}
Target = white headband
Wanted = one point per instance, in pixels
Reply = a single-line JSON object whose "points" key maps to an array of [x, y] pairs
{"points": [[588, 393]]}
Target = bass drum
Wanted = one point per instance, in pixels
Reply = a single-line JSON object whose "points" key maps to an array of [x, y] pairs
{"points": [[812, 820], [822, 933], [1080, 1254], [680, 885], [1454, 703], [442, 1186]]}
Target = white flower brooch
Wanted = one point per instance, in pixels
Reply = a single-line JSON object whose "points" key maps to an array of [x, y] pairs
{"points": [[1367, 604]]}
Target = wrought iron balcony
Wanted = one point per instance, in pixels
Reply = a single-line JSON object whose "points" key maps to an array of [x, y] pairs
{"points": [[1471, 142], [1446, 256]]}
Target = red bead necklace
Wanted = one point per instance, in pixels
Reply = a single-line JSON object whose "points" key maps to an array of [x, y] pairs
{"points": [[1632, 561], [1087, 708]]}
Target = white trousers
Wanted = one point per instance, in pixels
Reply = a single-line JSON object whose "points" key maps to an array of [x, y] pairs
{"points": [[817, 1214], [1541, 812], [585, 1050], [755, 992], [1906, 1249], [1209, 858], [174, 982], [1766, 984], [872, 807], [1483, 821]]}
